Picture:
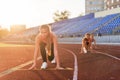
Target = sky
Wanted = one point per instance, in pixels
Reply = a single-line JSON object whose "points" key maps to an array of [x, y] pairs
{"points": [[36, 12]]}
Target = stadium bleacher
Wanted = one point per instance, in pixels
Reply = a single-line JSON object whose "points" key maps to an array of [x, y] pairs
{"points": [[87, 24], [114, 22]]}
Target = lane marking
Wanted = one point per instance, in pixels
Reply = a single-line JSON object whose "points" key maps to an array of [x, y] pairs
{"points": [[6, 72], [46, 69], [75, 74], [114, 57]]}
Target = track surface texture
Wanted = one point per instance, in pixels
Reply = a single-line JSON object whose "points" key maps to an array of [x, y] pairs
{"points": [[92, 66]]}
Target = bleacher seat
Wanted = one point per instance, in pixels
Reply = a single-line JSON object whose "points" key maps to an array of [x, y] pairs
{"points": [[87, 24]]}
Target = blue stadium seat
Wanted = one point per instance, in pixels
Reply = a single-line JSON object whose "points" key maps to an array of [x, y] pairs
{"points": [[87, 24]]}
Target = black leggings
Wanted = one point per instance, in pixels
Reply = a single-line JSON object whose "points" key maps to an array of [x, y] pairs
{"points": [[43, 52]]}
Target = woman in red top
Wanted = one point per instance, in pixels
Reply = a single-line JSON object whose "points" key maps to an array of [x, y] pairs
{"points": [[46, 43], [86, 43]]}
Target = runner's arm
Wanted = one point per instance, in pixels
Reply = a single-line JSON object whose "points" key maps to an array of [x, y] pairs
{"points": [[35, 53]]}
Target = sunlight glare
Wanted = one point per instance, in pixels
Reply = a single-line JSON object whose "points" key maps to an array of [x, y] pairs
{"points": [[34, 12]]}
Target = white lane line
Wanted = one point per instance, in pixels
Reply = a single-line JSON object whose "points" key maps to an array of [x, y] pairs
{"points": [[75, 74], [6, 72], [108, 55], [67, 68]]}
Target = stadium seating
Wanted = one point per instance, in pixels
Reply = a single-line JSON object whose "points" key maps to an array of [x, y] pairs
{"points": [[87, 24], [108, 29]]}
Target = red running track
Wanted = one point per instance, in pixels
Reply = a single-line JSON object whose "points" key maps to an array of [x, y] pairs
{"points": [[94, 66]]}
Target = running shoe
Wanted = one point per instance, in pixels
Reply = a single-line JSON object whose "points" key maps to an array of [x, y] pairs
{"points": [[44, 65]]}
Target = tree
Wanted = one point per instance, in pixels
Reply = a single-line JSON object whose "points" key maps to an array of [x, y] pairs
{"points": [[58, 16]]}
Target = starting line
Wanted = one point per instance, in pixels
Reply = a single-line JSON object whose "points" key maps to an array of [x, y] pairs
{"points": [[46, 69]]}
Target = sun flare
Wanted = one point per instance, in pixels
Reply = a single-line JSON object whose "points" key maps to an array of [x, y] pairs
{"points": [[34, 12]]}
